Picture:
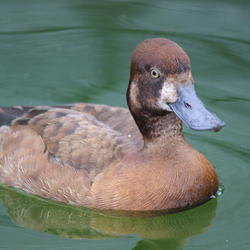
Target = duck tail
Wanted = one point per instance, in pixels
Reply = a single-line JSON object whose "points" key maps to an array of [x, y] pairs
{"points": [[8, 114]]}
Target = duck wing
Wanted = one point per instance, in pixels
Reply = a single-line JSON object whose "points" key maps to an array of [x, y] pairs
{"points": [[82, 135], [116, 118]]}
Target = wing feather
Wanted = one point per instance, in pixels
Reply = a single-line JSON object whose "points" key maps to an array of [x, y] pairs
{"points": [[78, 139]]}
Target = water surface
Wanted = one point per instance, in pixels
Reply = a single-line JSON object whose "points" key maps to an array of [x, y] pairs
{"points": [[61, 51]]}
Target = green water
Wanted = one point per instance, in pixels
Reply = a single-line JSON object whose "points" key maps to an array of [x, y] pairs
{"points": [[54, 52]]}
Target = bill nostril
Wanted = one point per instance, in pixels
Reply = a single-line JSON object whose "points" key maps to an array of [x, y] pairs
{"points": [[187, 105]]}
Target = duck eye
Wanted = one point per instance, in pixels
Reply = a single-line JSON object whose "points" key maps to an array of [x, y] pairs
{"points": [[155, 73]]}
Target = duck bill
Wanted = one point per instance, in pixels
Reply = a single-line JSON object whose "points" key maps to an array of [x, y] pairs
{"points": [[190, 109]]}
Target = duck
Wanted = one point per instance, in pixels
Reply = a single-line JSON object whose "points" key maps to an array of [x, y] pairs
{"points": [[112, 158]]}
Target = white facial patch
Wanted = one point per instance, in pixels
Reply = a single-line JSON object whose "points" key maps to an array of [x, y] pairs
{"points": [[168, 94]]}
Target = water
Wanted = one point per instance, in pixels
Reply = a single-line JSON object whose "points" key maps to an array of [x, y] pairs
{"points": [[54, 52]]}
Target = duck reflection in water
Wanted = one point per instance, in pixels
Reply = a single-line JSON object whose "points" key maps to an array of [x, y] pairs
{"points": [[169, 231]]}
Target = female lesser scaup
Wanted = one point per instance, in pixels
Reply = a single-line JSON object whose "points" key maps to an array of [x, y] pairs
{"points": [[102, 157]]}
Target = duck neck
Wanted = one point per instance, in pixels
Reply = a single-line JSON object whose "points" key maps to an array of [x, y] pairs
{"points": [[157, 127], [154, 125]]}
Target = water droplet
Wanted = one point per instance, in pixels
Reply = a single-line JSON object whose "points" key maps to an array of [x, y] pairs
{"points": [[219, 191]]}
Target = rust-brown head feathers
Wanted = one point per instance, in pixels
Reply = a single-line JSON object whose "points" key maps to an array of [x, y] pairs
{"points": [[161, 53], [161, 84]]}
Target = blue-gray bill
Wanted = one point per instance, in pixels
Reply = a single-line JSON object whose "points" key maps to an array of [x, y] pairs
{"points": [[190, 109]]}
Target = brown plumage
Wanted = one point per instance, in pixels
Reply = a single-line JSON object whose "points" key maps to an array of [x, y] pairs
{"points": [[95, 156]]}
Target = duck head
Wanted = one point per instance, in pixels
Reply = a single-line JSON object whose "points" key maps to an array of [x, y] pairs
{"points": [[161, 84]]}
